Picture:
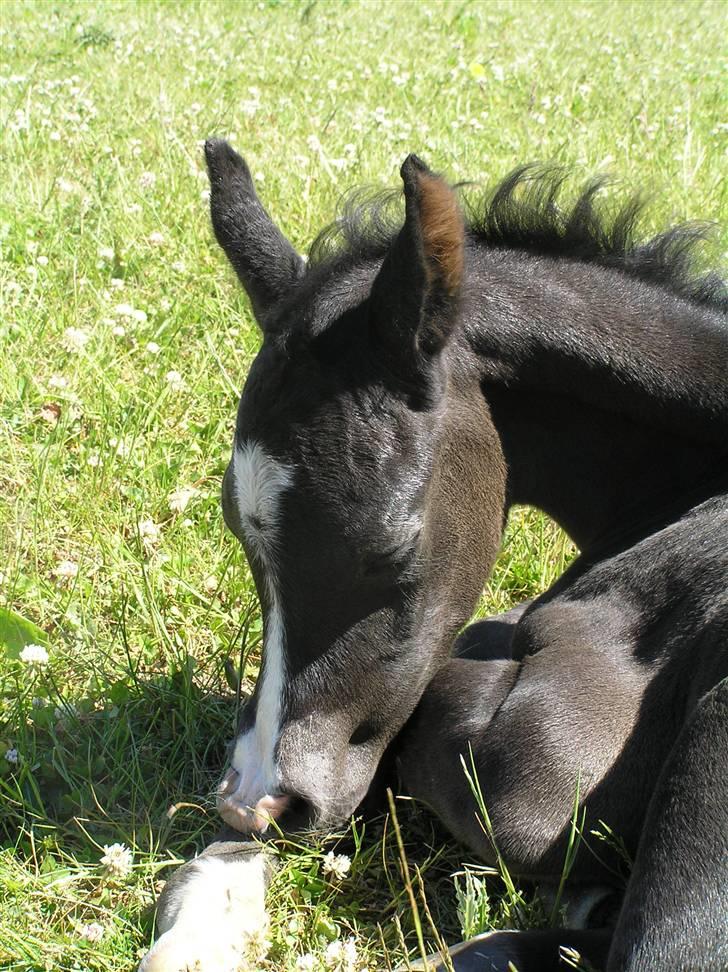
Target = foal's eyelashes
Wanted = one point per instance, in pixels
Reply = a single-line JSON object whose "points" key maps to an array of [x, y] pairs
{"points": [[399, 556]]}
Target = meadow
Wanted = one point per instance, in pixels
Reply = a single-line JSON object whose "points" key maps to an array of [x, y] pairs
{"points": [[125, 342]]}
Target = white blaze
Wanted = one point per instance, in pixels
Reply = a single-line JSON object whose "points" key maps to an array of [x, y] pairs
{"points": [[258, 482]]}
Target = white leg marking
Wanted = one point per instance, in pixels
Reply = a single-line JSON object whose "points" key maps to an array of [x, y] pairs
{"points": [[258, 482], [211, 921]]}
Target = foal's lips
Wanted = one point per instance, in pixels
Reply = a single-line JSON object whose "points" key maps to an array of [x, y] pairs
{"points": [[245, 817]]}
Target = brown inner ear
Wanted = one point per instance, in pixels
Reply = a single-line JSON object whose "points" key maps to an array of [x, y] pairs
{"points": [[442, 229]]}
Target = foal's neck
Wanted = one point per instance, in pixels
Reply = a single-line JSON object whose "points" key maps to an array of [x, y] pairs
{"points": [[610, 396]]}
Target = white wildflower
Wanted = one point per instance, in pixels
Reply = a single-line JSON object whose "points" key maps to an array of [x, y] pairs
{"points": [[66, 570], [156, 238], [74, 339], [118, 330], [147, 180], [42, 261], [35, 656], [12, 756], [149, 532], [306, 963], [57, 381], [175, 380], [342, 956], [166, 304], [179, 266], [106, 253], [93, 932], [117, 283], [153, 347], [117, 860], [211, 584], [126, 310], [179, 499], [338, 865]]}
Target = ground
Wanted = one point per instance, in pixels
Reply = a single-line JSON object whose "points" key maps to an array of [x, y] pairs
{"points": [[125, 343]]}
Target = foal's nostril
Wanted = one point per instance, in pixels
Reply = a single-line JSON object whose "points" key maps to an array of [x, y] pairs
{"points": [[362, 734]]}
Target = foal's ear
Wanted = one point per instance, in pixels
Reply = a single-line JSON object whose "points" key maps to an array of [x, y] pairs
{"points": [[416, 294], [262, 257]]}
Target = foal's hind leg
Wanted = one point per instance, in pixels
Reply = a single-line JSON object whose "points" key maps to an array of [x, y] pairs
{"points": [[675, 910]]}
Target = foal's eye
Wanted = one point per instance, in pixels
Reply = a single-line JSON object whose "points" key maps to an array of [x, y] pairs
{"points": [[397, 557]]}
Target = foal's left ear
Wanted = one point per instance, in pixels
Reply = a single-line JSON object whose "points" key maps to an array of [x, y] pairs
{"points": [[416, 293]]}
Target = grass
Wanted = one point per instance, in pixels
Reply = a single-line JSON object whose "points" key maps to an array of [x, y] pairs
{"points": [[125, 342]]}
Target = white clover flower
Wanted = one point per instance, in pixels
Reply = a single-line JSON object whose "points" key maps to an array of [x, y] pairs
{"points": [[147, 180], [66, 570], [166, 304], [93, 932], [211, 584], [57, 381], [179, 499], [149, 532], [156, 238], [175, 380], [306, 963], [179, 266], [106, 253], [35, 656], [126, 310], [118, 330], [12, 756], [338, 865], [117, 860], [74, 339], [153, 347], [117, 283], [342, 956], [42, 261]]}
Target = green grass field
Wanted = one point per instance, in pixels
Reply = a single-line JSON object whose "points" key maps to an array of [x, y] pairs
{"points": [[125, 342]]}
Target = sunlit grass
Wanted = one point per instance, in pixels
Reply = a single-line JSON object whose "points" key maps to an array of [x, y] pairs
{"points": [[124, 344]]}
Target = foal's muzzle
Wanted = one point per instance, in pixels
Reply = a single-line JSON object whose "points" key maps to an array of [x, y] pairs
{"points": [[245, 818]]}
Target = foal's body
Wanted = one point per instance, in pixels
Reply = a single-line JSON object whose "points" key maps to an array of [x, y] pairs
{"points": [[407, 394]]}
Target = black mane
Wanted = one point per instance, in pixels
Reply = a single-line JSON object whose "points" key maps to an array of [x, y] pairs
{"points": [[522, 213]]}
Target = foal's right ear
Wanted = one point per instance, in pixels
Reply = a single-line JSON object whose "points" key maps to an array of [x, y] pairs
{"points": [[262, 257]]}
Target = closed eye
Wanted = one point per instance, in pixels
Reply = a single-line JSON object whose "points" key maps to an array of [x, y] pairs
{"points": [[398, 557]]}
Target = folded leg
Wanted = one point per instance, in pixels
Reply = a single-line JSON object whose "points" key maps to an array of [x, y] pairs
{"points": [[212, 909], [676, 906]]}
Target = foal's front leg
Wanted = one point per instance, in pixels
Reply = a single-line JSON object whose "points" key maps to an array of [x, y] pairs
{"points": [[454, 713], [212, 909]]}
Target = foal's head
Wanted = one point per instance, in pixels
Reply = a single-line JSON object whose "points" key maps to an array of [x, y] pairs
{"points": [[366, 485]]}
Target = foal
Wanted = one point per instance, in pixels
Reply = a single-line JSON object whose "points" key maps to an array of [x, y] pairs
{"points": [[413, 384]]}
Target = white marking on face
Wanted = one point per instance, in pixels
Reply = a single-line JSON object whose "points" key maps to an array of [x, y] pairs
{"points": [[209, 919], [258, 483]]}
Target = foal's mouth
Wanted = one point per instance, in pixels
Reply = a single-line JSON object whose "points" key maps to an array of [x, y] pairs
{"points": [[269, 815]]}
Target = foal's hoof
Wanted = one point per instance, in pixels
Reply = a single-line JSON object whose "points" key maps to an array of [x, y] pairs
{"points": [[211, 914], [185, 950], [527, 951]]}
